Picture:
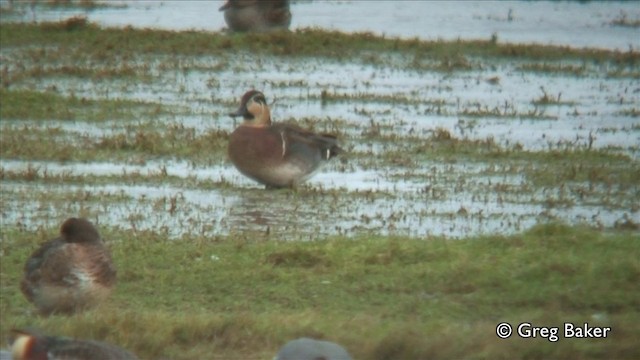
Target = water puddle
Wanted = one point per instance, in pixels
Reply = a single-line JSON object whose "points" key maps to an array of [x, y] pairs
{"points": [[592, 110], [544, 22], [376, 108], [364, 202]]}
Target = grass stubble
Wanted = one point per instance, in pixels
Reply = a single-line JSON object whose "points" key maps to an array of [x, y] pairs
{"points": [[237, 297], [382, 297]]}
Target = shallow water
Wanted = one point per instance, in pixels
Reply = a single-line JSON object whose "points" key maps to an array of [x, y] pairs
{"points": [[431, 202], [365, 195], [571, 23], [593, 103]]}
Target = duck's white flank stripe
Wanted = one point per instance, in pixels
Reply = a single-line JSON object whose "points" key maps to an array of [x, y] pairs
{"points": [[284, 143]]}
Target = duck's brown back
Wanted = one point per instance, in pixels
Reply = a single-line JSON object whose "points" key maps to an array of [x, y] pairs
{"points": [[65, 277]]}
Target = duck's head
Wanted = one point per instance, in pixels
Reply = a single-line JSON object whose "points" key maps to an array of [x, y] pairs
{"points": [[79, 230], [254, 109]]}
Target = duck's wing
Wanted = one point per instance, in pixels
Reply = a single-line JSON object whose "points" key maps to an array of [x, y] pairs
{"points": [[71, 349], [38, 257], [293, 135], [47, 264], [279, 15], [59, 264]]}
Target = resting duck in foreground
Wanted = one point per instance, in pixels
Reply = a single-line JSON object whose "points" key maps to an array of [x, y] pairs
{"points": [[257, 15], [71, 272], [30, 345], [311, 349], [276, 155]]}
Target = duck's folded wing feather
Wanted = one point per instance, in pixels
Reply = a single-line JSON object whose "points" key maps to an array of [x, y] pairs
{"points": [[327, 144], [58, 267], [70, 349]]}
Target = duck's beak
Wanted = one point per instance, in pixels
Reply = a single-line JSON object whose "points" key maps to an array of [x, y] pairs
{"points": [[242, 111]]}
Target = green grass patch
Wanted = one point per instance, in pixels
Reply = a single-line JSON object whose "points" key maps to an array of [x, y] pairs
{"points": [[52, 144], [575, 160], [35, 131], [383, 298], [631, 112], [158, 177], [549, 99], [450, 55], [35, 105], [545, 68], [624, 20]]}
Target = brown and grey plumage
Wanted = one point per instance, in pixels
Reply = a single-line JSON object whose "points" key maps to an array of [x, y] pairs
{"points": [[71, 272], [31, 345], [312, 349], [276, 155], [257, 15]]}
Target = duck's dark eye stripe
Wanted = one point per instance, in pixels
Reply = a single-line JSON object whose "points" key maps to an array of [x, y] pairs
{"points": [[260, 99]]}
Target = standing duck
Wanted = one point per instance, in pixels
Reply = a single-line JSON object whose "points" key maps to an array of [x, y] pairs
{"points": [[311, 349], [30, 345], [71, 272], [276, 155], [257, 15]]}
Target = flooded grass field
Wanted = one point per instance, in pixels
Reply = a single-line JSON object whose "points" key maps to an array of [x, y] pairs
{"points": [[443, 139], [487, 141]]}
